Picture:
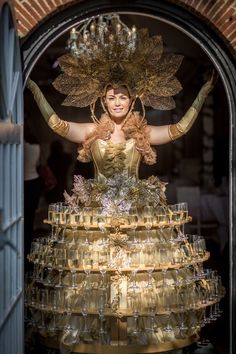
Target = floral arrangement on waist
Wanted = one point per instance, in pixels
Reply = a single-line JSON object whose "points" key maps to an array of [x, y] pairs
{"points": [[116, 194]]}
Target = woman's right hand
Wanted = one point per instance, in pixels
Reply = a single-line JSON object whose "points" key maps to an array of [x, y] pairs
{"points": [[30, 84]]}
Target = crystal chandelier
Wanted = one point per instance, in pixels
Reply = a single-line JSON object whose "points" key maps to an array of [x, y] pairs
{"points": [[100, 34]]}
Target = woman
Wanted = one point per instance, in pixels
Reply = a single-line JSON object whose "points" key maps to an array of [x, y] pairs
{"points": [[120, 123]]}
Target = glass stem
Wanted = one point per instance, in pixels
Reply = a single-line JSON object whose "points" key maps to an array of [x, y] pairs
{"points": [[135, 316], [73, 274], [85, 323], [101, 330], [60, 277]]}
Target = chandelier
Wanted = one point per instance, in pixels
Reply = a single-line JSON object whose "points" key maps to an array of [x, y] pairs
{"points": [[101, 33]]}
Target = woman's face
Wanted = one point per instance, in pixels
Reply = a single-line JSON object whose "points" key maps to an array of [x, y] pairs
{"points": [[117, 102]]}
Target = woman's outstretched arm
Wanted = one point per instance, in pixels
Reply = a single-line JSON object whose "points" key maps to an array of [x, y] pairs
{"points": [[75, 132], [166, 133]]}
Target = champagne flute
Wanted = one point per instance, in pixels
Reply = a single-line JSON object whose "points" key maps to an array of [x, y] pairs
{"points": [[167, 327], [87, 222], [73, 263], [161, 216], [101, 223], [135, 305], [49, 258], [149, 261], [162, 219], [51, 209], [53, 295], [148, 220], [60, 261], [56, 219], [84, 311], [103, 259], [75, 218], [101, 310], [65, 221], [87, 266], [133, 219], [151, 305], [134, 264], [68, 303]]}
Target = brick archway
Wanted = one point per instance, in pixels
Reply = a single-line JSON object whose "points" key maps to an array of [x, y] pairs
{"points": [[220, 14]]}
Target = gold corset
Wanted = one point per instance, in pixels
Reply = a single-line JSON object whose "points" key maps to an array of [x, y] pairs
{"points": [[110, 159]]}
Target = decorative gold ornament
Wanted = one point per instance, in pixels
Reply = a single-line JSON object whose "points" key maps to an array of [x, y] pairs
{"points": [[105, 52]]}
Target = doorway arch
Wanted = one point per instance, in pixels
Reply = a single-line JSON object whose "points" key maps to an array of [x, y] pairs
{"points": [[199, 31]]}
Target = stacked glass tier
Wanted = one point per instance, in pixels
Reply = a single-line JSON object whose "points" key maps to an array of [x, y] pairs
{"points": [[134, 280]]}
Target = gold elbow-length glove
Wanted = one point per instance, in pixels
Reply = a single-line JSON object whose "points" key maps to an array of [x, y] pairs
{"points": [[186, 122], [58, 125]]}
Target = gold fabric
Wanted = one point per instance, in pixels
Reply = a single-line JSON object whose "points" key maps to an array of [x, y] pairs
{"points": [[110, 159], [147, 72], [58, 125], [186, 122], [41, 101], [174, 131]]}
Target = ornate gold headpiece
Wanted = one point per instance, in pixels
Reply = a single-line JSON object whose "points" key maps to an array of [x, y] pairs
{"points": [[104, 51]]}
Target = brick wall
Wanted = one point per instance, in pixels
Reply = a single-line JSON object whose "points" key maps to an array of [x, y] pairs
{"points": [[221, 14]]}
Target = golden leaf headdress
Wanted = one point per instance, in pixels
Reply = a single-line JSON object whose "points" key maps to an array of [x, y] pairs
{"points": [[105, 52]]}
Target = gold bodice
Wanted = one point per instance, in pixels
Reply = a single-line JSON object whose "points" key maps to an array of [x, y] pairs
{"points": [[110, 159]]}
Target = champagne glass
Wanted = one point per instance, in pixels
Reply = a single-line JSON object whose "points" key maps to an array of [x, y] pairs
{"points": [[56, 219], [103, 259], [42, 324], [87, 221], [135, 305], [183, 327], [177, 214], [49, 258], [162, 217], [133, 219], [101, 223], [34, 249], [201, 246], [184, 208], [168, 328], [162, 220], [53, 295], [163, 257], [73, 263], [101, 310], [75, 218], [87, 266], [60, 262], [43, 300], [84, 311], [151, 305], [51, 209], [134, 264], [148, 220], [149, 261], [32, 296], [68, 303], [42, 256], [65, 221]]}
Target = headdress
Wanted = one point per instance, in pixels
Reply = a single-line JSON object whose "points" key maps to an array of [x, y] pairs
{"points": [[104, 51]]}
